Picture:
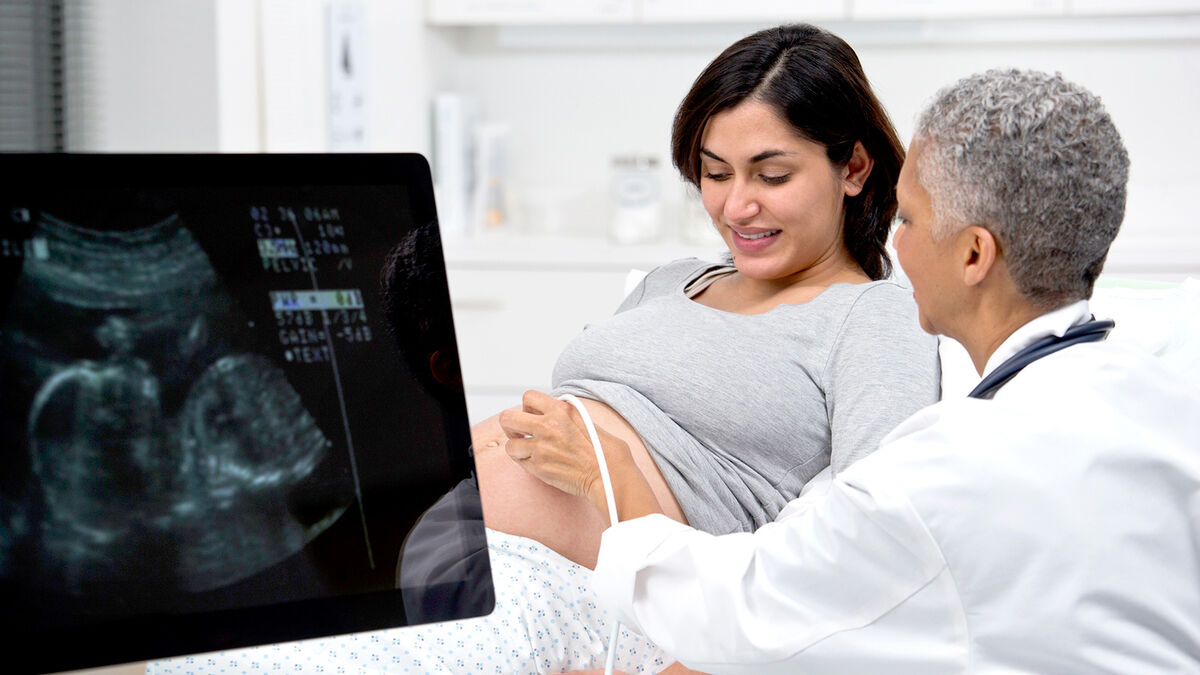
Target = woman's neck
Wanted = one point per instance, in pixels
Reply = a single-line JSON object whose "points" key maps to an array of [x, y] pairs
{"points": [[745, 295]]}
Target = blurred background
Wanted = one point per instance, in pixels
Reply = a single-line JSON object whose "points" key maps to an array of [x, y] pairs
{"points": [[547, 121]]}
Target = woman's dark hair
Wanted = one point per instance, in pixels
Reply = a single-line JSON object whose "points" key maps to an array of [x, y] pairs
{"points": [[817, 83]]}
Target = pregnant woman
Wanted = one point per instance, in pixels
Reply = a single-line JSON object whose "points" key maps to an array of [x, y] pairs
{"points": [[796, 163]]}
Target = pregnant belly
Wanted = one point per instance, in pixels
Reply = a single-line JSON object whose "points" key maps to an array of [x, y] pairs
{"points": [[517, 503]]}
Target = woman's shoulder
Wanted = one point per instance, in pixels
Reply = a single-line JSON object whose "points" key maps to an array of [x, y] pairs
{"points": [[675, 274], [886, 303], [882, 290], [880, 325], [874, 294], [682, 269]]}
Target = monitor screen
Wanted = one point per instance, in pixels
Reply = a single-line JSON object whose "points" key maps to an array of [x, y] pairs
{"points": [[217, 430]]}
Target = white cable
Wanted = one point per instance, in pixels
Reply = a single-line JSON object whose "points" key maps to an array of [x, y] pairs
{"points": [[606, 480]]}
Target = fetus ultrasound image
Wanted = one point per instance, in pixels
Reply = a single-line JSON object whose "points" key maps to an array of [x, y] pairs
{"points": [[205, 414]]}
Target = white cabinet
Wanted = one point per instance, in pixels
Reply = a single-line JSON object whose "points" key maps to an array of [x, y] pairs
{"points": [[696, 11], [511, 324], [466, 12], [518, 301], [957, 9]]}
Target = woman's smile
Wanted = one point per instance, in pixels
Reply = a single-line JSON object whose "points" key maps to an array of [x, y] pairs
{"points": [[749, 241]]}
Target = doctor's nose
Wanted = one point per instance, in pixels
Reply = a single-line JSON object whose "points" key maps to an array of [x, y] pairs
{"points": [[898, 234]]}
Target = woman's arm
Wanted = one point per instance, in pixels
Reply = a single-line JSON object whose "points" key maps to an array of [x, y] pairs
{"points": [[548, 439], [882, 369]]}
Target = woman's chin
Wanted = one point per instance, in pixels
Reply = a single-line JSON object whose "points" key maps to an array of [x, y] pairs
{"points": [[758, 269]]}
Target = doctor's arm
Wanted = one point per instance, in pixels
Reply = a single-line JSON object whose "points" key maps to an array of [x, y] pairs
{"points": [[764, 602]]}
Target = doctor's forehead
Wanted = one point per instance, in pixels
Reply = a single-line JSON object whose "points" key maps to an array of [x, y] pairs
{"points": [[909, 170], [907, 181], [912, 199]]}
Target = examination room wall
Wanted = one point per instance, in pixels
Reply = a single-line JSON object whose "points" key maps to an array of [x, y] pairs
{"points": [[242, 75], [571, 108], [227, 75]]}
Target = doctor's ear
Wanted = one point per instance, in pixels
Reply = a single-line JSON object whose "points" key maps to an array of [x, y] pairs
{"points": [[857, 170], [978, 251]]}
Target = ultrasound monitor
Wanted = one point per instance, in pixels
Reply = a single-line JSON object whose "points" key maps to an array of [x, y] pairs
{"points": [[217, 431]]}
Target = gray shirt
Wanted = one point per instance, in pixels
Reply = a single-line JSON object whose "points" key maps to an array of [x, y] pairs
{"points": [[740, 411]]}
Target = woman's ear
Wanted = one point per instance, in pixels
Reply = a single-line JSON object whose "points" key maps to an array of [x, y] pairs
{"points": [[857, 170]]}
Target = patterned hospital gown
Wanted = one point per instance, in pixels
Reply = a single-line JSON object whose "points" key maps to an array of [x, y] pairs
{"points": [[546, 621]]}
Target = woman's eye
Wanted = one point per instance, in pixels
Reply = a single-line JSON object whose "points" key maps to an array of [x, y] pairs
{"points": [[713, 175], [776, 180]]}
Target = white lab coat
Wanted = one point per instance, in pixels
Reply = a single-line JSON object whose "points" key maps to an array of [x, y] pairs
{"points": [[1053, 529]]}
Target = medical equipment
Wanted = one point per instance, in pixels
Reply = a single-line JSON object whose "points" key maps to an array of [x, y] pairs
{"points": [[1089, 331], [199, 340], [610, 660]]}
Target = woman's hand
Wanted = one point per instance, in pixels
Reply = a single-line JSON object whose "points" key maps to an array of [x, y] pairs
{"points": [[548, 439]]}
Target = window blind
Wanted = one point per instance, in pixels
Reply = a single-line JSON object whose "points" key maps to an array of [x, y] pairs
{"points": [[32, 76]]}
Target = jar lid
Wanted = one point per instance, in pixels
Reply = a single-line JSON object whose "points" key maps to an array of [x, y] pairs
{"points": [[635, 161]]}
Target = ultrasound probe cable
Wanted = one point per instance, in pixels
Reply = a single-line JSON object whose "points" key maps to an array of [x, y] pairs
{"points": [[612, 508]]}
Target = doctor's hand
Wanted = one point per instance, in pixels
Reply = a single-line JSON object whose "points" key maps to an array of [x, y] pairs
{"points": [[548, 439]]}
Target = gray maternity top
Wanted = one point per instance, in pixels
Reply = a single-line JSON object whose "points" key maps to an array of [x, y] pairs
{"points": [[740, 411]]}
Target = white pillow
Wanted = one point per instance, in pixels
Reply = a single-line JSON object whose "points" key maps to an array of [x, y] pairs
{"points": [[632, 278], [1160, 319]]}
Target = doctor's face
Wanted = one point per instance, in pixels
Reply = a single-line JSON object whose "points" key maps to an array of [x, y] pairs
{"points": [[928, 263]]}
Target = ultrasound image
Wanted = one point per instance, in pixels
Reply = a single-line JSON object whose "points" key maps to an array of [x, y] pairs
{"points": [[229, 394], [159, 443]]}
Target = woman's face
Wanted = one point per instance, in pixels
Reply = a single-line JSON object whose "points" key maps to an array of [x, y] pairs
{"points": [[774, 197]]}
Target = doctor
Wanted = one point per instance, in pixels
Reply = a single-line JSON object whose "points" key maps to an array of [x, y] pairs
{"points": [[1050, 523]]}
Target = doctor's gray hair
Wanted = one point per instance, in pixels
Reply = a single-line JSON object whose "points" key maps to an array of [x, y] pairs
{"points": [[1037, 161]]}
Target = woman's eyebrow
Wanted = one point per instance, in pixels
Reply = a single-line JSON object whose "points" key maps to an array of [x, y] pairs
{"points": [[764, 155]]}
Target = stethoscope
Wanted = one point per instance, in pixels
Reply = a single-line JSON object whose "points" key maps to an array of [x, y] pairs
{"points": [[1089, 331]]}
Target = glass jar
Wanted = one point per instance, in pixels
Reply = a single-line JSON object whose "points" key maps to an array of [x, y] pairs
{"points": [[636, 200]]}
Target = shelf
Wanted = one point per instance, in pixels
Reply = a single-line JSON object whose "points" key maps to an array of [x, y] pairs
{"points": [[1132, 7], [954, 9], [513, 251], [500, 12], [625, 13], [1172, 256], [701, 11]]}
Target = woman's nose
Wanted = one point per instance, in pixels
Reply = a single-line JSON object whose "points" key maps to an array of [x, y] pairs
{"points": [[742, 202]]}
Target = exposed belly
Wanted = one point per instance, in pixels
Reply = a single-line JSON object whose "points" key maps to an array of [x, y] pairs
{"points": [[517, 503]]}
